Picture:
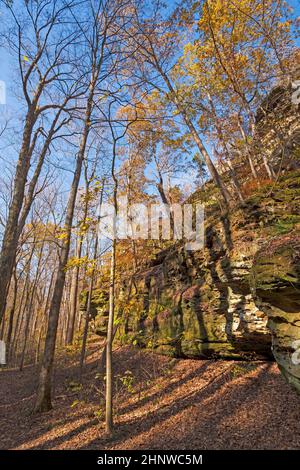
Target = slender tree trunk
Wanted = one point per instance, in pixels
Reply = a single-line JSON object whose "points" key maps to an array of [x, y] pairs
{"points": [[88, 310], [29, 308], [109, 343], [2, 326], [75, 281], [111, 314], [26, 331], [165, 200], [209, 163], [73, 302], [22, 305], [22, 323], [235, 181], [248, 150], [10, 236], [43, 401], [38, 348], [44, 323], [267, 166], [86, 329], [38, 308], [201, 147], [20, 206], [12, 314]]}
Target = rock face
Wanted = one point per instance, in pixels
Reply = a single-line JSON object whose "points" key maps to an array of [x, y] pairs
{"points": [[277, 132], [227, 299], [201, 304], [276, 287]]}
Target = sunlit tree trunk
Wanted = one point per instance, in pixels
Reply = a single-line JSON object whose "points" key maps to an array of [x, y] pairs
{"points": [[198, 141], [43, 401], [90, 293], [109, 344]]}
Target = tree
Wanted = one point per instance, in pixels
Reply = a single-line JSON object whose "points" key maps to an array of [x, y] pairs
{"points": [[116, 136], [48, 84], [100, 33], [239, 50], [155, 40]]}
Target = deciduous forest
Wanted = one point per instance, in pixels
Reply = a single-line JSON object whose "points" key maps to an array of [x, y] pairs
{"points": [[149, 224]]}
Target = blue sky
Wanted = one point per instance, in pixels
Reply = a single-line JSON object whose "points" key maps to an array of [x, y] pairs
{"points": [[7, 67]]}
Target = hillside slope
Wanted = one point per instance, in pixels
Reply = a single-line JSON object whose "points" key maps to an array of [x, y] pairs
{"points": [[167, 404]]}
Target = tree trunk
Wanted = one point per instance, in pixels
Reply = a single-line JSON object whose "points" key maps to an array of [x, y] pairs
{"points": [[75, 280], [43, 401], [111, 314], [12, 314], [86, 329], [88, 309], [235, 181], [162, 193], [20, 206], [10, 236], [74, 298], [209, 163], [29, 308], [248, 150], [109, 343]]}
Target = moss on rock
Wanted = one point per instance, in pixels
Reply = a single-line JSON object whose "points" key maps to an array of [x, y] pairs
{"points": [[276, 287]]}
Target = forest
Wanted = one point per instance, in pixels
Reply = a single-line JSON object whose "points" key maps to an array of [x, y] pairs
{"points": [[149, 225]]}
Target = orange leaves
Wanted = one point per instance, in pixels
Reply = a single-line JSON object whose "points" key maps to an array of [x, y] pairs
{"points": [[252, 186]]}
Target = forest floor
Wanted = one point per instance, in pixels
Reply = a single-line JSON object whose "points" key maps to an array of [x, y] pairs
{"points": [[160, 403]]}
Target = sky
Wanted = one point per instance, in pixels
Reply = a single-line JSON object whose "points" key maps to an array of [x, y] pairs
{"points": [[6, 65], [6, 68], [12, 106]]}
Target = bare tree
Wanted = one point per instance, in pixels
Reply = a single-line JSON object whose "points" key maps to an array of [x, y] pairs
{"points": [[42, 49], [100, 35]]}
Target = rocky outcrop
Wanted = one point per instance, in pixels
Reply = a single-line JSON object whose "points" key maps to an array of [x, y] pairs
{"points": [[213, 303], [276, 288], [277, 133], [200, 304]]}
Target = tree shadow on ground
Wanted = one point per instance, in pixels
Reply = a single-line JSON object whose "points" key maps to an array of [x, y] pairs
{"points": [[241, 415], [201, 407], [131, 428]]}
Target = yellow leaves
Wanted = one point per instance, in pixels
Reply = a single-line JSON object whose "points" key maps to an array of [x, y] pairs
{"points": [[62, 234], [91, 268], [202, 121], [75, 262], [89, 265], [85, 225], [285, 25], [25, 58]]}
